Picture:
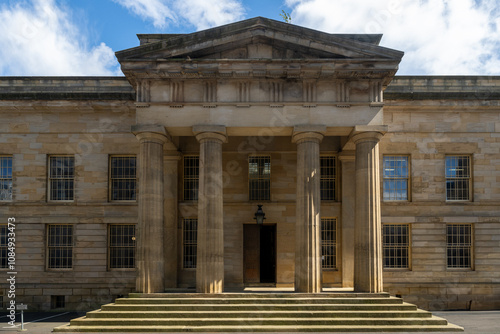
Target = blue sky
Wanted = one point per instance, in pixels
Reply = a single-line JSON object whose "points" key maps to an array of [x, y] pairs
{"points": [[71, 37]]}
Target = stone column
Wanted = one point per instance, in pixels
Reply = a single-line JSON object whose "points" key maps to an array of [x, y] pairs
{"points": [[308, 220], [171, 161], [150, 260], [210, 254], [348, 200], [368, 228]]}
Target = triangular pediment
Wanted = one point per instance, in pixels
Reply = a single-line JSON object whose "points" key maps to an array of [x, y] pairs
{"points": [[259, 38]]}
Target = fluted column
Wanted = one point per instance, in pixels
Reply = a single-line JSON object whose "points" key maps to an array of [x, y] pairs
{"points": [[150, 256], [368, 228], [210, 253], [307, 230]]}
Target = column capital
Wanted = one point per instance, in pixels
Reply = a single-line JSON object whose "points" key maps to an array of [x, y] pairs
{"points": [[214, 132], [308, 132], [367, 133], [151, 132], [367, 136]]}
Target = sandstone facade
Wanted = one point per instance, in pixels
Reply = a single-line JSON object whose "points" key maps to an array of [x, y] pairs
{"points": [[256, 88]]}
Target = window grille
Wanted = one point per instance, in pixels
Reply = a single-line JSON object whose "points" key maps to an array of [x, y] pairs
{"points": [[61, 178], [329, 243], [459, 245], [5, 178], [121, 246], [3, 246], [396, 246], [57, 302], [259, 178], [123, 178], [395, 177], [60, 246], [190, 234], [328, 183], [191, 177], [458, 178]]}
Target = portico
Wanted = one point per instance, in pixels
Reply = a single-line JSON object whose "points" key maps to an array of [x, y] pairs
{"points": [[259, 87]]}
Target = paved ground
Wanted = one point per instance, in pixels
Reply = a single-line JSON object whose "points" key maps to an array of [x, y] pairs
{"points": [[474, 322]]}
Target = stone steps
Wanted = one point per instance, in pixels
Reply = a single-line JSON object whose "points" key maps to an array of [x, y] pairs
{"points": [[260, 301], [260, 321], [283, 329], [256, 307], [239, 314], [251, 312]]}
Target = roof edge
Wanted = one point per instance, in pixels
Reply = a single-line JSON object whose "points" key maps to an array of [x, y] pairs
{"points": [[153, 42]]}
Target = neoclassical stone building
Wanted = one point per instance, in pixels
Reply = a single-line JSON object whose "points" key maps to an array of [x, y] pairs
{"points": [[152, 182]]}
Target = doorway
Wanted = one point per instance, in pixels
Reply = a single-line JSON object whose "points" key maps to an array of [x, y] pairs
{"points": [[259, 254]]}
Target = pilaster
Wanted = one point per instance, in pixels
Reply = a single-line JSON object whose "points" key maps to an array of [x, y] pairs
{"points": [[171, 162], [348, 214]]}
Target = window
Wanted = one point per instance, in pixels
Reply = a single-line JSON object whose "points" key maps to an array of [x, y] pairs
{"points": [[328, 166], [259, 178], [190, 233], [121, 246], [61, 178], [329, 243], [57, 302], [5, 178], [60, 246], [191, 177], [395, 177], [458, 178], [123, 179], [396, 246], [3, 246], [459, 245]]}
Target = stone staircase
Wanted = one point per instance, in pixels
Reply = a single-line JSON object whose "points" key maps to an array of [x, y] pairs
{"points": [[259, 312]]}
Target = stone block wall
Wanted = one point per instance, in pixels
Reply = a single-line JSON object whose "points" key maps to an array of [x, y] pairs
{"points": [[425, 129], [428, 130], [238, 210], [90, 132]]}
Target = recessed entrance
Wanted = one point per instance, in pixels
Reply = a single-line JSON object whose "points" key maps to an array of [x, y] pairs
{"points": [[259, 254]]}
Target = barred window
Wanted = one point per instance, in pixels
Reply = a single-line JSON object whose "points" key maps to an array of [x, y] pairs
{"points": [[61, 178], [328, 243], [121, 246], [60, 246], [459, 245], [259, 178], [395, 177], [328, 183], [3, 246], [123, 178], [191, 177], [190, 234], [458, 178], [396, 246], [5, 178]]}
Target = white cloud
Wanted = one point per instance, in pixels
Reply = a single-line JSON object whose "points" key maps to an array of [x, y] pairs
{"points": [[437, 36], [155, 10], [40, 39], [202, 14]]}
